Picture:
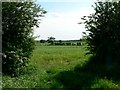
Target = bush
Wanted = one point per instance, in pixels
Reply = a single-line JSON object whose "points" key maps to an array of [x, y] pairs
{"points": [[78, 44], [18, 21], [14, 63], [68, 43], [104, 32]]}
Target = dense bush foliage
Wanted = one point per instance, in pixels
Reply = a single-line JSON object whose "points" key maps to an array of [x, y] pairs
{"points": [[104, 31], [18, 21]]}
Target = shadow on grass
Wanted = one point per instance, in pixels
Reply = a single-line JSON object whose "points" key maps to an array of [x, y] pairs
{"points": [[84, 76]]}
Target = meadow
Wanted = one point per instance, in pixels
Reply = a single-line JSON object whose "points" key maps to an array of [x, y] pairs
{"points": [[60, 67]]}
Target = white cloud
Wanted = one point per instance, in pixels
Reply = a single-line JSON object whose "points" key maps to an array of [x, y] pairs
{"points": [[63, 25]]}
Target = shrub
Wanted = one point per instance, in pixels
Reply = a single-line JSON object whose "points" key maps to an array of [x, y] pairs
{"points": [[103, 27], [18, 21]]}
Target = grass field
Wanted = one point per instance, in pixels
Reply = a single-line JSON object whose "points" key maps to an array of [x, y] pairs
{"points": [[58, 67]]}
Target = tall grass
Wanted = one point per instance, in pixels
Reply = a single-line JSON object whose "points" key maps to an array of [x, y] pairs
{"points": [[55, 67]]}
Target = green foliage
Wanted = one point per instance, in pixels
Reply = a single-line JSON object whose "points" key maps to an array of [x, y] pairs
{"points": [[42, 41], [18, 21], [104, 31], [51, 40], [62, 42]]}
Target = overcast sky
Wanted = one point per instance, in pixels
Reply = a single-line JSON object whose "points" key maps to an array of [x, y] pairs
{"points": [[62, 18]]}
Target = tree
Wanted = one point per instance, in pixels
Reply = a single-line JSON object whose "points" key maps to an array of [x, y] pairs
{"points": [[104, 31], [18, 21], [42, 41], [60, 41], [51, 40]]}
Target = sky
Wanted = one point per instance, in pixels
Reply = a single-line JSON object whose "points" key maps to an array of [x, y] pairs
{"points": [[62, 18]]}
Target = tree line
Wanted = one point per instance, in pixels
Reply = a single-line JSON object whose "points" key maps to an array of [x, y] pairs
{"points": [[52, 41]]}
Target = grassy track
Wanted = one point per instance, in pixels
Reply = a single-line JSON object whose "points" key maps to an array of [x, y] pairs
{"points": [[54, 67]]}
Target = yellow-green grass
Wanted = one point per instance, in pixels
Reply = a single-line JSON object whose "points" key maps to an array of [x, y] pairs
{"points": [[54, 67]]}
